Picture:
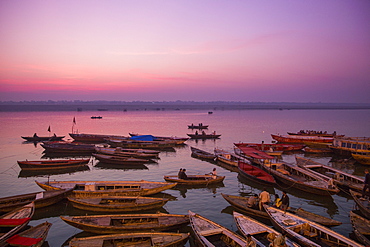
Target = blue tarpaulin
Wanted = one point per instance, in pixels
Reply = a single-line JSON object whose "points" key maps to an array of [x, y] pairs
{"points": [[143, 138]]}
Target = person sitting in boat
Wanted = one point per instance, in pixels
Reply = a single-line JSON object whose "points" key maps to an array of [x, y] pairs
{"points": [[264, 198], [196, 132], [179, 174], [183, 174], [203, 133], [213, 173], [253, 202], [279, 241], [35, 135], [250, 241]]}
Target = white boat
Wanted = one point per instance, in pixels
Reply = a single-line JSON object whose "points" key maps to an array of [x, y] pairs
{"points": [[260, 233], [305, 232]]}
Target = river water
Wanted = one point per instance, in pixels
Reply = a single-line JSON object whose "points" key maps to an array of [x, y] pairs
{"points": [[234, 126]]}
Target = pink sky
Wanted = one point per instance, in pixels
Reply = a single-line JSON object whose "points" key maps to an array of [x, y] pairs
{"points": [[199, 50]]}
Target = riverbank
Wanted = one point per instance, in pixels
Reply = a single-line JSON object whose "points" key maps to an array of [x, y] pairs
{"points": [[169, 106]]}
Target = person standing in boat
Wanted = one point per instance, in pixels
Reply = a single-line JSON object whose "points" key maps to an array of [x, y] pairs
{"points": [[366, 184], [264, 198], [284, 201]]}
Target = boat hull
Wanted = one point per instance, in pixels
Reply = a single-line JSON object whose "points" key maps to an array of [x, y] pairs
{"points": [[113, 224]]}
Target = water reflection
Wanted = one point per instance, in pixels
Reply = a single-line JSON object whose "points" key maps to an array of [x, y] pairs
{"points": [[252, 186], [44, 173], [124, 167], [183, 189]]}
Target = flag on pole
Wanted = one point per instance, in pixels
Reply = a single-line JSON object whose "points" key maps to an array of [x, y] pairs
{"points": [[49, 129], [74, 120]]}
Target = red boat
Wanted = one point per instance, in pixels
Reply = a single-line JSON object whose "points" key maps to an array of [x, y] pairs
{"points": [[301, 139], [273, 146], [254, 173]]}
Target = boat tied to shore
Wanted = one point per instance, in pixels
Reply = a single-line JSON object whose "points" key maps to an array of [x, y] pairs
{"points": [[117, 204], [41, 199], [32, 237], [300, 139], [340, 178], [14, 221], [144, 239], [263, 235], [51, 164], [306, 232], [86, 189], [210, 234], [249, 171], [124, 223]]}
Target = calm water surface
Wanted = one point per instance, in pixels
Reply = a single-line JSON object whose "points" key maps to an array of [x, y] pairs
{"points": [[235, 126]]}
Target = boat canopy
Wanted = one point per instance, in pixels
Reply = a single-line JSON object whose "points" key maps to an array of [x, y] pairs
{"points": [[143, 138], [254, 153]]}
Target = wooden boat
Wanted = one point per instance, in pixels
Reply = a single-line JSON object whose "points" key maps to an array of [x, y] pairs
{"points": [[340, 178], [210, 234], [199, 126], [204, 136], [198, 153], [361, 228], [300, 178], [260, 233], [33, 237], [305, 232], [255, 173], [15, 221], [240, 203], [314, 133], [178, 140], [345, 146], [68, 147], [362, 203], [119, 160], [40, 199], [252, 154], [117, 204], [132, 153], [195, 179], [310, 150], [108, 188], [116, 142], [113, 224], [93, 138], [363, 159], [226, 157], [51, 164], [36, 138], [300, 139], [325, 221], [274, 146], [146, 239]]}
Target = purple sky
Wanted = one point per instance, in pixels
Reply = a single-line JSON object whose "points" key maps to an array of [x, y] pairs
{"points": [[200, 50]]}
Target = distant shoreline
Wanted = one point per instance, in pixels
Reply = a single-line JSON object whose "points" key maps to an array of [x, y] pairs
{"points": [[171, 106]]}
